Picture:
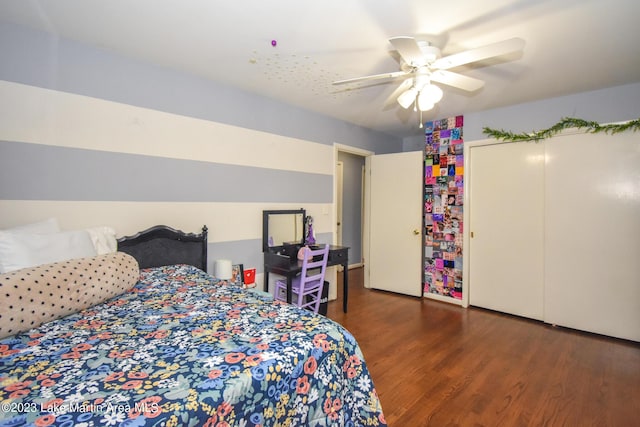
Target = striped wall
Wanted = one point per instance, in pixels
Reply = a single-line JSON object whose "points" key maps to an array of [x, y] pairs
{"points": [[92, 162], [80, 142]]}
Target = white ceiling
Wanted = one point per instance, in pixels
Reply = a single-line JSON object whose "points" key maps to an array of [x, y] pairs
{"points": [[571, 46]]}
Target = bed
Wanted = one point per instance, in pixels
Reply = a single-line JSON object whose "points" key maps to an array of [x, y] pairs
{"points": [[176, 348]]}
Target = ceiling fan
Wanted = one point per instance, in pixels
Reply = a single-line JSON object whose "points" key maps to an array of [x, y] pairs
{"points": [[422, 64]]}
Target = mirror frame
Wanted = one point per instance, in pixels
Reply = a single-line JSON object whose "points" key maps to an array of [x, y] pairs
{"points": [[265, 225]]}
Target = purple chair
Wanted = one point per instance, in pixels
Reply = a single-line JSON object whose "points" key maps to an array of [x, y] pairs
{"points": [[309, 282]]}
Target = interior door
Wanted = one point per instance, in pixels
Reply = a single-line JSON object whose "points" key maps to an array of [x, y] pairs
{"points": [[506, 244], [395, 223]]}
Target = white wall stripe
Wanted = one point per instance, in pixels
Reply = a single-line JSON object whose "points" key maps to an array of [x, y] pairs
{"points": [[226, 221], [43, 116]]}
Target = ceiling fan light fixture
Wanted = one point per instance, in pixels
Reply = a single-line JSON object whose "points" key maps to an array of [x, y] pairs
{"points": [[407, 97], [431, 93], [424, 105]]}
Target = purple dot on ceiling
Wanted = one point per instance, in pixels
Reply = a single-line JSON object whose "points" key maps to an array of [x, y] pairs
{"points": [[274, 43]]}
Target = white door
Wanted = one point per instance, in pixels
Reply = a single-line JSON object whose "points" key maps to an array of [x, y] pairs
{"points": [[592, 233], [395, 218], [506, 241]]}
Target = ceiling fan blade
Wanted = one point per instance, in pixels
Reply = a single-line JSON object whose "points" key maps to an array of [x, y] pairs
{"points": [[456, 80], [373, 77], [478, 54], [391, 101], [409, 50]]}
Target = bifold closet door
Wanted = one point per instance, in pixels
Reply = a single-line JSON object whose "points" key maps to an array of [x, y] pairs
{"points": [[506, 195], [592, 233]]}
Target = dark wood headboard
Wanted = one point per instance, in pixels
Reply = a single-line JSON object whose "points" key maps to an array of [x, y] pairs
{"points": [[163, 245]]}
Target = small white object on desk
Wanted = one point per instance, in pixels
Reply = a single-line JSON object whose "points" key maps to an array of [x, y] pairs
{"points": [[223, 269]]}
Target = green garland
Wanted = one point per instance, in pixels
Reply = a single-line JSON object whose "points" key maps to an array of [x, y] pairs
{"points": [[565, 123]]}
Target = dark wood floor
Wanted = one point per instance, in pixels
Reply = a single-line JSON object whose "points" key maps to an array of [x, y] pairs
{"points": [[436, 364]]}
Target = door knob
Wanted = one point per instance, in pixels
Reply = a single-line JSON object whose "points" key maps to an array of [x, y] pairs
{"points": [[416, 231]]}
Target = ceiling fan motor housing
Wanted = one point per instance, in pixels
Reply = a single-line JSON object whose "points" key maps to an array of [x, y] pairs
{"points": [[430, 53]]}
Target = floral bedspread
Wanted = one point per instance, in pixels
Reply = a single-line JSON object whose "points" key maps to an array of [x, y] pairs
{"points": [[182, 349]]}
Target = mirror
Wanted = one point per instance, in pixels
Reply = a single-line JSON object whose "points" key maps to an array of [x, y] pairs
{"points": [[280, 227]]}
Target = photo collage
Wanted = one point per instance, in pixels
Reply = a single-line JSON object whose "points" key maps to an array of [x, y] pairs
{"points": [[443, 203]]}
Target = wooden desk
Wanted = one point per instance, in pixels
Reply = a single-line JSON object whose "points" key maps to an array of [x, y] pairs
{"points": [[289, 266]]}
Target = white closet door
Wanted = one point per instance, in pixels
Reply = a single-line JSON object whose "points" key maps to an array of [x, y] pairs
{"points": [[506, 184], [592, 262]]}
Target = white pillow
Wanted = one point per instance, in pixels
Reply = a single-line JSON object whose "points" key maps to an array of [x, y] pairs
{"points": [[22, 250], [42, 227], [104, 239]]}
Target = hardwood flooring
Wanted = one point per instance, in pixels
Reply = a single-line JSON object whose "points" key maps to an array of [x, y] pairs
{"points": [[437, 364]]}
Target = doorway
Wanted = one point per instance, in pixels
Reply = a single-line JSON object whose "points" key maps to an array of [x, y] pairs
{"points": [[350, 182]]}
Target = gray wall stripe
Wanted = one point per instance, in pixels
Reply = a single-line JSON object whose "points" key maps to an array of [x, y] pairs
{"points": [[43, 172]]}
